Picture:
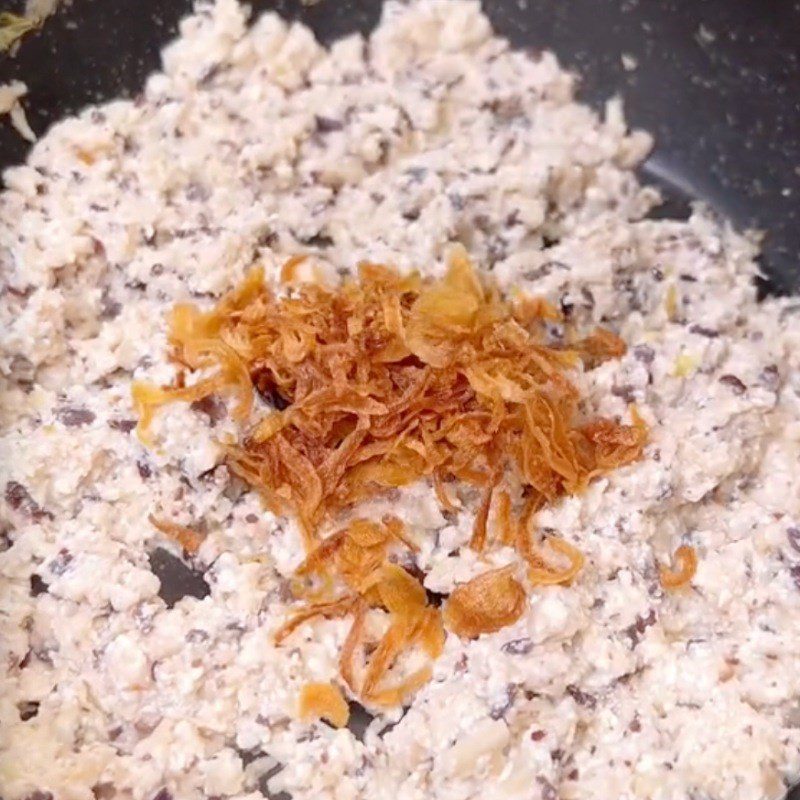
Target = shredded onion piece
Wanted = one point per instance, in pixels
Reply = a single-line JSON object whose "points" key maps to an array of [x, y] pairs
{"points": [[324, 701], [686, 562], [601, 345], [508, 532], [332, 610], [358, 557], [534, 309], [351, 643], [289, 269], [190, 540], [394, 641], [396, 695], [441, 493], [478, 541], [485, 604], [542, 573]]}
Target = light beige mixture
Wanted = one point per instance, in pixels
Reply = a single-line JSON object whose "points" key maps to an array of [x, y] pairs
{"points": [[257, 144]]}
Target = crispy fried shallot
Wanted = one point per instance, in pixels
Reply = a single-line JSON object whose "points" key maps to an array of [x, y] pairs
{"points": [[377, 384], [390, 379], [324, 701], [190, 540], [485, 604], [686, 566], [357, 558]]}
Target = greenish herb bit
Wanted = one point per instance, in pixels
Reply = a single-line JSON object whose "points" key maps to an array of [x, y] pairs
{"points": [[13, 27]]}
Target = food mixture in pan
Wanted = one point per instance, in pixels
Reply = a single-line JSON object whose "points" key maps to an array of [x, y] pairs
{"points": [[363, 437]]}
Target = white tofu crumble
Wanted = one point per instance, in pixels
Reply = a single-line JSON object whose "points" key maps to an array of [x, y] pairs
{"points": [[256, 143]]}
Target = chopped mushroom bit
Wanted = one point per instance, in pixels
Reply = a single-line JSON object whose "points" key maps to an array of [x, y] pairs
{"points": [[382, 382], [686, 562], [324, 701]]}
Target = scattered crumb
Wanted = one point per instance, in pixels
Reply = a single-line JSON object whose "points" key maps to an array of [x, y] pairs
{"points": [[10, 94], [705, 35]]}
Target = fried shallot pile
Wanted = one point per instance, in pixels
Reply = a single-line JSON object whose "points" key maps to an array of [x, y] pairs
{"points": [[382, 382]]}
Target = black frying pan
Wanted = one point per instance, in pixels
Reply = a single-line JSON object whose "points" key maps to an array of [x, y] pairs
{"points": [[717, 82]]}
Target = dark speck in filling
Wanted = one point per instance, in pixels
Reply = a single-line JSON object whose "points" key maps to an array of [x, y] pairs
{"points": [[38, 586], [638, 629], [544, 270], [580, 697], [319, 240], [418, 174], [625, 392], [267, 239], [104, 791], [327, 125], [549, 792], [28, 709], [109, 307], [122, 425], [505, 108], [699, 330], [18, 497], [770, 377], [795, 574], [793, 534], [457, 201], [518, 647], [60, 564], [736, 385], [212, 407], [644, 353], [501, 708], [263, 782], [74, 417]]}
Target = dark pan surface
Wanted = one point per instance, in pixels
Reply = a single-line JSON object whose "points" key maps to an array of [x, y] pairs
{"points": [[717, 82]]}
